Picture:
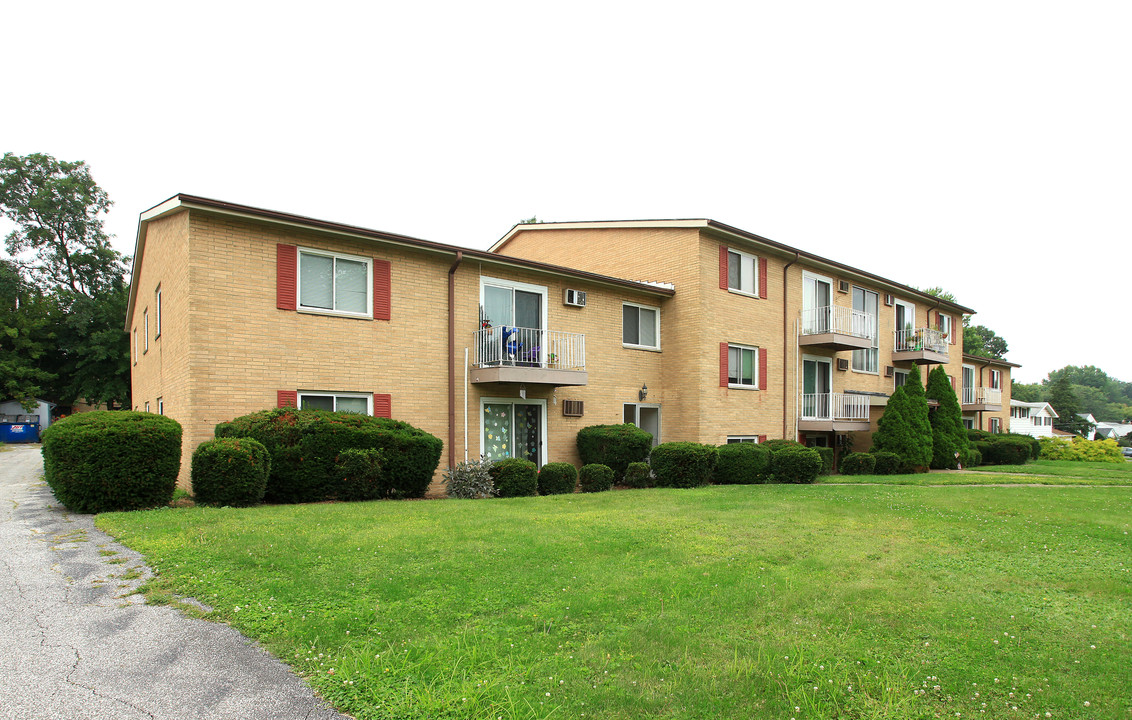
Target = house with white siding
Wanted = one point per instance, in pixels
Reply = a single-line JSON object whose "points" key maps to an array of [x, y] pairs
{"points": [[1032, 418]]}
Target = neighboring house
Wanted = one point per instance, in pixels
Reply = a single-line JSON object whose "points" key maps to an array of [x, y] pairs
{"points": [[1112, 431], [691, 329], [1088, 417], [1032, 418], [985, 395]]}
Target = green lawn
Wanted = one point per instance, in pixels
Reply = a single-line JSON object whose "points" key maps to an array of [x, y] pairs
{"points": [[1121, 471], [723, 602]]}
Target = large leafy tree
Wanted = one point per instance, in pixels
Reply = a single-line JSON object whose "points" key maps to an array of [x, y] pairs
{"points": [[24, 339], [60, 248], [949, 438], [984, 342], [1064, 402]]}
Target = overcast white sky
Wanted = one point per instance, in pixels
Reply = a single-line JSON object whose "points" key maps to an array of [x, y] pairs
{"points": [[982, 146]]}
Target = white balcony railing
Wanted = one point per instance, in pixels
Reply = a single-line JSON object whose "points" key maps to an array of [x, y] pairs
{"points": [[921, 339], [835, 406], [529, 347], [839, 320], [982, 396]]}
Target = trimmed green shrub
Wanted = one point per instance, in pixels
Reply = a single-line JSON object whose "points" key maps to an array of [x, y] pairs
{"points": [[112, 460], [826, 459], [949, 438], [1004, 450], [614, 446], [361, 473], [741, 464], [305, 445], [779, 443], [796, 465], [595, 477], [470, 480], [639, 475], [887, 463], [683, 464], [904, 428], [515, 477], [230, 471], [1080, 449], [973, 458], [858, 464], [557, 479]]}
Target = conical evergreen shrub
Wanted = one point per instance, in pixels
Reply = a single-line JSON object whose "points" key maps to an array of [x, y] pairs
{"points": [[904, 428], [949, 437]]}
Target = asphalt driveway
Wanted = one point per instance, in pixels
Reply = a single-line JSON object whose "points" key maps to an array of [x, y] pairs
{"points": [[78, 642]]}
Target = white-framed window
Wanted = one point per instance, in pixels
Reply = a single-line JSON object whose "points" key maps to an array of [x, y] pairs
{"points": [[147, 405], [160, 406], [899, 378], [742, 366], [335, 284], [145, 325], [995, 425], [157, 313], [135, 346], [945, 327], [646, 416], [968, 423], [1019, 412], [732, 439], [361, 403], [996, 379], [640, 326], [513, 427], [742, 272], [867, 302]]}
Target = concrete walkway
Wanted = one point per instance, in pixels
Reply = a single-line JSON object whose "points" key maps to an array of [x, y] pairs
{"points": [[77, 642]]}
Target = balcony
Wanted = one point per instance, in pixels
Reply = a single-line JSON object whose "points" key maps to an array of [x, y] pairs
{"points": [[976, 399], [920, 345], [834, 412], [837, 328], [528, 355]]}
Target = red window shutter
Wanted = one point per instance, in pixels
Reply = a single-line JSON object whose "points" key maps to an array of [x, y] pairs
{"points": [[762, 277], [762, 368], [382, 290], [723, 364], [287, 398], [762, 438], [382, 405], [722, 267], [286, 276]]}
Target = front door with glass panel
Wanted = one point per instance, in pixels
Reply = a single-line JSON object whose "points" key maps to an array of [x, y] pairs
{"points": [[968, 384], [816, 385], [905, 325], [513, 429], [816, 293]]}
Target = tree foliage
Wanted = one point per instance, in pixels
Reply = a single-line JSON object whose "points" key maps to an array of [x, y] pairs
{"points": [[78, 304], [949, 437], [25, 339], [1095, 391], [1064, 402], [984, 342], [904, 429]]}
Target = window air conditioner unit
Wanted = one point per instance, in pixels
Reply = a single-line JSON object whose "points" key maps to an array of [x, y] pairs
{"points": [[577, 298], [889, 371], [573, 408], [843, 286], [842, 364], [889, 300]]}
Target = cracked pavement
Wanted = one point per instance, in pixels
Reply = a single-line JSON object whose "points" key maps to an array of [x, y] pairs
{"points": [[77, 641]]}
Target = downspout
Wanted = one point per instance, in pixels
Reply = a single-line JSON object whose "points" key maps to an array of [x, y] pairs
{"points": [[452, 358], [786, 344]]}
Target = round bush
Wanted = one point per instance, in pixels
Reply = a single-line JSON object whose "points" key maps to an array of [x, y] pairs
{"points": [[230, 471], [515, 477], [683, 464], [470, 480], [557, 479], [595, 477], [639, 475], [361, 474], [796, 465], [826, 454], [887, 463], [970, 458], [112, 460], [858, 464], [1005, 450], [305, 446], [613, 445], [741, 464], [779, 443]]}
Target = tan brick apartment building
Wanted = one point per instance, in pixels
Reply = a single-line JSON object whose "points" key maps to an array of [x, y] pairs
{"points": [[717, 335]]}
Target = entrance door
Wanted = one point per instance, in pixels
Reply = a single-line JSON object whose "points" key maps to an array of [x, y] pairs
{"points": [[817, 381], [513, 429], [646, 417], [968, 385], [516, 313], [816, 294], [905, 325]]}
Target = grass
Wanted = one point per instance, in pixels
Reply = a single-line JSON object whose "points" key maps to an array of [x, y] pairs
{"points": [[1038, 472], [723, 602], [1121, 471]]}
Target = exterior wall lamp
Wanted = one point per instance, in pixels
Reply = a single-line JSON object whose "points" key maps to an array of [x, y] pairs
{"points": [[644, 392]]}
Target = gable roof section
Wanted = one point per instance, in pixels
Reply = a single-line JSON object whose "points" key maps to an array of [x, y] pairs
{"points": [[980, 360], [182, 202], [1035, 406], [728, 231]]}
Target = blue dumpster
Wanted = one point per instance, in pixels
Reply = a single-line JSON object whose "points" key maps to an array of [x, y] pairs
{"points": [[27, 432]]}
